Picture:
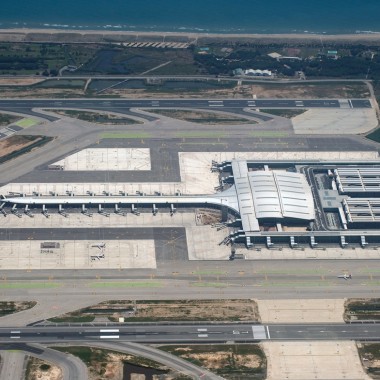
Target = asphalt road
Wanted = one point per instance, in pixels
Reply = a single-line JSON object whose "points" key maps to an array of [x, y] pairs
{"points": [[23, 104], [182, 333], [72, 367]]}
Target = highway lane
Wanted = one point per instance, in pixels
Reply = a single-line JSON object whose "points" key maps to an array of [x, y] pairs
{"points": [[186, 333], [17, 104], [134, 333]]}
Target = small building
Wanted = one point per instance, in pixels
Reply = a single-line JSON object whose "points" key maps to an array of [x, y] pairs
{"points": [[258, 73], [238, 72], [274, 55]]}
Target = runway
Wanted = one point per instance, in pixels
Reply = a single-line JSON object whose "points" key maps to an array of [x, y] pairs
{"points": [[190, 333], [120, 104]]}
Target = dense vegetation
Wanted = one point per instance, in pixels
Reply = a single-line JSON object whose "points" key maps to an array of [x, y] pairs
{"points": [[351, 61]]}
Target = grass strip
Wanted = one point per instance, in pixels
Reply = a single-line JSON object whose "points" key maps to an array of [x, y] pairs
{"points": [[25, 123], [125, 135], [269, 134], [125, 284], [216, 272], [297, 284], [28, 285], [200, 134], [209, 284]]}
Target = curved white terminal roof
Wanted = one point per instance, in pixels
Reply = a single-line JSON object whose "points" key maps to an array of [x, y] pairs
{"points": [[226, 198], [255, 195], [280, 194]]}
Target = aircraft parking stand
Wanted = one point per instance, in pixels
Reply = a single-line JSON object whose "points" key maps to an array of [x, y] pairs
{"points": [[78, 220], [74, 254], [107, 159]]}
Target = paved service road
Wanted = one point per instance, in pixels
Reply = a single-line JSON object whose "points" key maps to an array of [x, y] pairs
{"points": [[163, 357], [185, 333], [12, 365], [17, 104], [72, 367]]}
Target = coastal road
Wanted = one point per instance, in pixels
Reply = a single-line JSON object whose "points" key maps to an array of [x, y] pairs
{"points": [[120, 104], [186, 333]]}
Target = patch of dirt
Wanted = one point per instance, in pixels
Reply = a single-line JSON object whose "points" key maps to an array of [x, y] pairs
{"points": [[208, 217], [309, 91], [221, 359], [104, 118], [362, 309], [186, 310], [203, 117], [274, 91], [8, 92], [19, 81], [369, 354], [41, 370], [14, 143], [136, 376], [241, 310], [110, 369], [10, 307]]}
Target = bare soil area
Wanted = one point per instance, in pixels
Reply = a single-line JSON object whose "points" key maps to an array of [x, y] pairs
{"points": [[186, 310], [229, 361], [288, 113], [261, 90], [326, 90], [318, 90], [97, 117], [370, 357], [22, 34], [35, 92], [15, 143], [6, 119], [111, 365], [38, 369], [362, 309], [11, 307], [19, 81], [204, 117]]}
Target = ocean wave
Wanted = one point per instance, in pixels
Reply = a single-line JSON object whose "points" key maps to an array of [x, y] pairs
{"points": [[366, 32], [176, 28]]}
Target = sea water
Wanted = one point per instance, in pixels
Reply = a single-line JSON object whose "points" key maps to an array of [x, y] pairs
{"points": [[207, 16]]}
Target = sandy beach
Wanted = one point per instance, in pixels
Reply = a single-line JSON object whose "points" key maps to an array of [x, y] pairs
{"points": [[67, 35]]}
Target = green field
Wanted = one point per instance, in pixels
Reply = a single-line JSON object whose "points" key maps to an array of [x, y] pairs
{"points": [[125, 135], [131, 284], [268, 134], [210, 284], [200, 134], [26, 123], [28, 285]]}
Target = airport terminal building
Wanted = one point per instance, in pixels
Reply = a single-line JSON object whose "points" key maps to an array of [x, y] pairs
{"points": [[267, 203]]}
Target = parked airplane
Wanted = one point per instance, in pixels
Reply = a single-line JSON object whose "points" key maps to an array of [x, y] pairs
{"points": [[345, 276], [97, 257], [100, 246]]}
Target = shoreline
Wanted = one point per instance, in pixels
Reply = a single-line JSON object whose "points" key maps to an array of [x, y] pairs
{"points": [[58, 35]]}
